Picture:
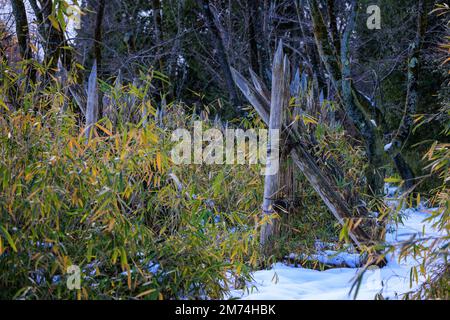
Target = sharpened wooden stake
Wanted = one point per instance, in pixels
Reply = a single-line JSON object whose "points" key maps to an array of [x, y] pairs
{"points": [[92, 101]]}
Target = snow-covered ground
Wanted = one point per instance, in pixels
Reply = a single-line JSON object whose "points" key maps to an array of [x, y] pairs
{"points": [[392, 281]]}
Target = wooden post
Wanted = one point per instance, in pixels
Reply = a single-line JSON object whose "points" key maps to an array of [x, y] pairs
{"points": [[92, 102], [279, 102]]}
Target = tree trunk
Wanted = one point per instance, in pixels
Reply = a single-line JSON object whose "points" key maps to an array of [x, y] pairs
{"points": [[54, 38], [355, 104], [404, 170], [98, 50], [221, 53], [98, 34], [23, 36], [253, 45], [333, 26], [157, 26], [279, 103]]}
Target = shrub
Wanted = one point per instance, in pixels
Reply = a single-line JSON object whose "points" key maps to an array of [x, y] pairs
{"points": [[109, 206]]}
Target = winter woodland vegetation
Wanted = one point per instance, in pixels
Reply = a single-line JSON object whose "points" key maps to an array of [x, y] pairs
{"points": [[91, 92]]}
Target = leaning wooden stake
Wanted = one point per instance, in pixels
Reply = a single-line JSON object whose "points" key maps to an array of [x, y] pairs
{"points": [[92, 102], [279, 102]]}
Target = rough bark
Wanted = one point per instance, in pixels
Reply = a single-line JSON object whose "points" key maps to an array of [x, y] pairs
{"points": [[324, 45]]}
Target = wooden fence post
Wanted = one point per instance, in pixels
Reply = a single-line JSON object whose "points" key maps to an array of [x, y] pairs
{"points": [[279, 103]]}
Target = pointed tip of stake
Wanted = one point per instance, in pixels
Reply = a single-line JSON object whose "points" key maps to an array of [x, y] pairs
{"points": [[286, 67], [278, 58], [255, 80], [93, 74], [280, 45], [94, 66], [239, 80], [234, 74]]}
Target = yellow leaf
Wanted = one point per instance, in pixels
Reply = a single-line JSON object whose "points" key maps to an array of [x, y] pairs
{"points": [[114, 256], [446, 60], [123, 258], [3, 104], [145, 293], [309, 119], [9, 239], [129, 277], [33, 47], [158, 161], [103, 129], [111, 224], [54, 22]]}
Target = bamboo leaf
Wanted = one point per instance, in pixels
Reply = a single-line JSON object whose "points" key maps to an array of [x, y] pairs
{"points": [[54, 22], [147, 292], [9, 239]]}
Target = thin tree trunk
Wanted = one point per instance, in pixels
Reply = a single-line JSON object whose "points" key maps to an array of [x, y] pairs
{"points": [[333, 26], [369, 132], [401, 136], [98, 34], [253, 44], [23, 36], [53, 38], [404, 170], [157, 25], [98, 49], [221, 53]]}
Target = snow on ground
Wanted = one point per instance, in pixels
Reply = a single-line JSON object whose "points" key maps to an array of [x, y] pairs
{"points": [[392, 281]]}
